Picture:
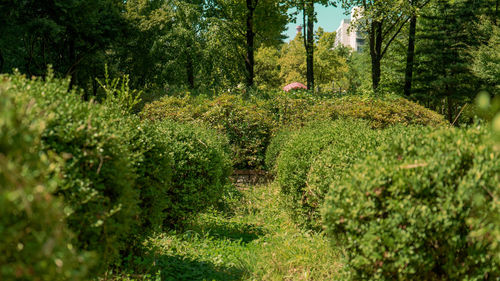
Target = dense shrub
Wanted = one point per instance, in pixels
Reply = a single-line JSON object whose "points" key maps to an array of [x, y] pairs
{"points": [[98, 183], [274, 148], [247, 125], [335, 161], [299, 153], [35, 242], [417, 209], [380, 113], [201, 169], [153, 166]]}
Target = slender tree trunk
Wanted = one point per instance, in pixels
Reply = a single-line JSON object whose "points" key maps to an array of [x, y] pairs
{"points": [[310, 46], [189, 67], [376, 52], [2, 61], [250, 35], [410, 54], [496, 12], [72, 62]]}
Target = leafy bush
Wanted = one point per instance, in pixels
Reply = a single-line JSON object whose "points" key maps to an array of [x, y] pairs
{"points": [[275, 146], [35, 242], [299, 153], [98, 183], [380, 113], [202, 167], [247, 126], [414, 210], [334, 162], [153, 167]]}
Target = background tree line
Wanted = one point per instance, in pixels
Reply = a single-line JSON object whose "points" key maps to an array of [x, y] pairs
{"points": [[438, 52]]}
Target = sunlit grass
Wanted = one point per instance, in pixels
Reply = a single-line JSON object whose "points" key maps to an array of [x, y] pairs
{"points": [[253, 239]]}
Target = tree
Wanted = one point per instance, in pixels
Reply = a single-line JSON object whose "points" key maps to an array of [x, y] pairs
{"points": [[443, 80], [382, 20], [250, 24], [331, 66], [308, 20], [293, 65], [66, 34], [267, 68]]}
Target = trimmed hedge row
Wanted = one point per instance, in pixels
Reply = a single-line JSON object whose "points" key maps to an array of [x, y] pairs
{"points": [[247, 126], [423, 207], [317, 155], [250, 124], [122, 176], [35, 242]]}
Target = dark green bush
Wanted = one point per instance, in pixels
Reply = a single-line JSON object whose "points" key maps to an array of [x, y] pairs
{"points": [[417, 209], [201, 169], [153, 167], [99, 176], [299, 153], [35, 242]]}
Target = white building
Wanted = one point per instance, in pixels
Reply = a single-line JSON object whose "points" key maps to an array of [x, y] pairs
{"points": [[348, 37]]}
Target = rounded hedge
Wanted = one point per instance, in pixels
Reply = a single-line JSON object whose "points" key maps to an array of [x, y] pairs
{"points": [[380, 113], [247, 126], [413, 210], [274, 148], [201, 169], [299, 153], [98, 178], [35, 242]]}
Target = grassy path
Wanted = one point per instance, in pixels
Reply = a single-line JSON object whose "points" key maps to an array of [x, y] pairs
{"points": [[252, 239]]}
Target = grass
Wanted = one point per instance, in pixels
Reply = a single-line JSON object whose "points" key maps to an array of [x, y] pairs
{"points": [[251, 239]]}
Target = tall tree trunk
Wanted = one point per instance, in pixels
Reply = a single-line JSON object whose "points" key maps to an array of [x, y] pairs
{"points": [[2, 61], [410, 54], [376, 52], [189, 67], [250, 35], [310, 45], [72, 63]]}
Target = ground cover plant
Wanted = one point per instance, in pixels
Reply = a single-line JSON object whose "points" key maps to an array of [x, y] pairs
{"points": [[252, 239], [411, 210]]}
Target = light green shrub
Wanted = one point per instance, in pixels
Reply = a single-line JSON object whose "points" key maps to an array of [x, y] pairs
{"points": [[275, 146], [201, 169], [247, 125], [35, 242], [414, 209], [299, 153]]}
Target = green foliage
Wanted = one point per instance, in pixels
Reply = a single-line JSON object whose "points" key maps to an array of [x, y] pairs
{"points": [[202, 167], [294, 162], [35, 243], [256, 242], [118, 92], [247, 125], [414, 210], [154, 165], [98, 183], [381, 113], [486, 57], [278, 142]]}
